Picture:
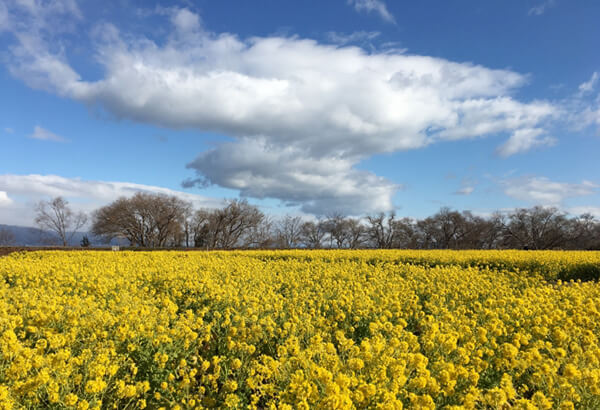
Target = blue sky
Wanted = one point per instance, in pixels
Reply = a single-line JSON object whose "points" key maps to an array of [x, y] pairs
{"points": [[308, 107]]}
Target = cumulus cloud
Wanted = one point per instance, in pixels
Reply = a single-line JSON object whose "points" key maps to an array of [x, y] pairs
{"points": [[185, 20], [313, 110], [43, 134], [524, 140], [377, 6], [255, 168], [543, 191], [4, 199], [19, 193]]}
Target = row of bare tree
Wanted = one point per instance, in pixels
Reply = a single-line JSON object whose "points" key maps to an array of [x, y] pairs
{"points": [[532, 228], [154, 220]]}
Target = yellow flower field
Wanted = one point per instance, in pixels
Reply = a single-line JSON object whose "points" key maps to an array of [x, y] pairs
{"points": [[300, 329]]}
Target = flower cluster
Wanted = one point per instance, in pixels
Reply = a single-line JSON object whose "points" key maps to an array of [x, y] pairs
{"points": [[299, 329]]}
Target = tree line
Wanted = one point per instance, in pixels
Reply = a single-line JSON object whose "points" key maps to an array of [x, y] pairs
{"points": [[151, 220]]}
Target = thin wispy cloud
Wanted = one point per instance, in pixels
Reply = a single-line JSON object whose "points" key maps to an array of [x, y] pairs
{"points": [[376, 6], [544, 191], [349, 38], [589, 85], [589, 209], [583, 107], [542, 7], [466, 190], [43, 134], [9, 130], [524, 140]]}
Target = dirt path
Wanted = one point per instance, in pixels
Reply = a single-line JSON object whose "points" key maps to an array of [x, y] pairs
{"points": [[7, 250]]}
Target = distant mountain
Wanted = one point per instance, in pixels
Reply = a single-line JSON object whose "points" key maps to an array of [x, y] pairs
{"points": [[27, 236]]}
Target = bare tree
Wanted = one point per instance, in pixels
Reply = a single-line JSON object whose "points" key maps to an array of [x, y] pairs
{"points": [[261, 235], [288, 231], [584, 232], [201, 229], [536, 228], [381, 230], [56, 216], [336, 226], [168, 214], [6, 237], [157, 220], [442, 229], [312, 234], [491, 231], [236, 220], [187, 228], [145, 219], [407, 234], [229, 227], [355, 233]]}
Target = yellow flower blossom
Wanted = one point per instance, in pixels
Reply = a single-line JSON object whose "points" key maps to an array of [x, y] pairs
{"points": [[337, 329]]}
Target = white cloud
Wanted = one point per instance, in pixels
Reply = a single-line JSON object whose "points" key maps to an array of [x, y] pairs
{"points": [[185, 20], [4, 199], [43, 134], [9, 130], [589, 85], [377, 6], [583, 107], [543, 191], [355, 37], [590, 116], [317, 96], [467, 190], [42, 9], [4, 18], [332, 106], [260, 170], [524, 140], [39, 15], [580, 210], [541, 8], [21, 192]]}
